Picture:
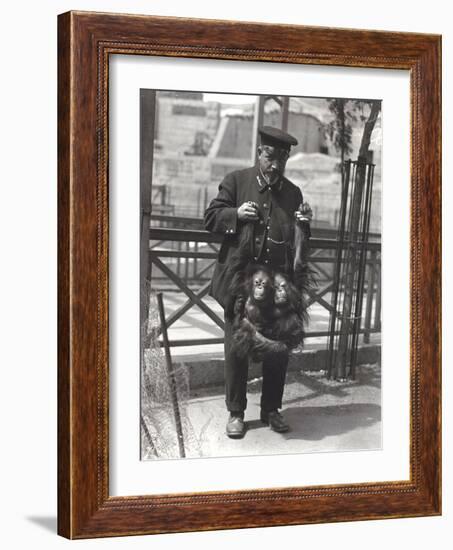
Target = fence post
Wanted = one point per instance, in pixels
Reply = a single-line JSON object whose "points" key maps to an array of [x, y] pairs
{"points": [[352, 274], [195, 261], [147, 112], [369, 296], [377, 311], [171, 376], [178, 259], [285, 113], [258, 120], [186, 266]]}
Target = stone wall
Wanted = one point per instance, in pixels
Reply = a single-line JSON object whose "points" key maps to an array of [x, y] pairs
{"points": [[237, 139], [193, 181], [179, 120]]}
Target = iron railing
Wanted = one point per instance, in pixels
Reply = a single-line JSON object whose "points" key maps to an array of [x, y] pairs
{"points": [[182, 260], [350, 275]]}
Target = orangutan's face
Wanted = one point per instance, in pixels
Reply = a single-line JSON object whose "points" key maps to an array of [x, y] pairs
{"points": [[281, 290], [261, 286]]}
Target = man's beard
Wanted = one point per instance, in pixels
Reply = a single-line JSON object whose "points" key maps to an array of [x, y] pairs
{"points": [[272, 178]]}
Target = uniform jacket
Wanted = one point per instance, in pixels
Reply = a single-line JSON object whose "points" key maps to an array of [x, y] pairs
{"points": [[273, 233]]}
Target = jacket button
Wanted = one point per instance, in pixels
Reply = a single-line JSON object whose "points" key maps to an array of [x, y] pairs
{"points": [[265, 205]]}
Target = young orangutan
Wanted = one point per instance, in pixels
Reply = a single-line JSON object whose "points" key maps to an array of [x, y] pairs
{"points": [[269, 319], [269, 310], [288, 313], [254, 316]]}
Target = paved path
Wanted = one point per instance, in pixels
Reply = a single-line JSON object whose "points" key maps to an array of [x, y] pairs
{"points": [[324, 416]]}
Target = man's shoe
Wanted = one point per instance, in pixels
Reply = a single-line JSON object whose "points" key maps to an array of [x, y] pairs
{"points": [[275, 421], [235, 427]]}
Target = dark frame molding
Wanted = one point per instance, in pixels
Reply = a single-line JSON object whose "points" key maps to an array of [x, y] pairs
{"points": [[85, 42]]}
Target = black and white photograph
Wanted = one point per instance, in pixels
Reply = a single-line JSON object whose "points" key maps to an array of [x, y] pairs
{"points": [[226, 259], [260, 267]]}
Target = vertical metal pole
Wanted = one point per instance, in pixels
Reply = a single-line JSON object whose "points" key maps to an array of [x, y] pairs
{"points": [[377, 309], [348, 277], [352, 261], [205, 201], [195, 261], [147, 125], [257, 123], [339, 251], [365, 226], [369, 297], [148, 436], [147, 117], [339, 256], [178, 259], [285, 113], [199, 202], [186, 264], [358, 298], [171, 376]]}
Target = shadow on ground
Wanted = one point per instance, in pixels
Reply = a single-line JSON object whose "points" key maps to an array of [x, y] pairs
{"points": [[317, 423], [49, 523]]}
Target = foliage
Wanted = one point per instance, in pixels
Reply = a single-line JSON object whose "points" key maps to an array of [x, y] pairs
{"points": [[347, 114]]}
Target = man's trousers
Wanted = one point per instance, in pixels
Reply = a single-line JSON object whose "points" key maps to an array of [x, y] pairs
{"points": [[236, 372]]}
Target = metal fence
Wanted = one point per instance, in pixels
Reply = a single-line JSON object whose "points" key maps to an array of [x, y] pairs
{"points": [[182, 260]]}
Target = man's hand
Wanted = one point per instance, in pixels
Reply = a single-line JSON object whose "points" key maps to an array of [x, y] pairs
{"points": [[304, 213], [248, 212]]}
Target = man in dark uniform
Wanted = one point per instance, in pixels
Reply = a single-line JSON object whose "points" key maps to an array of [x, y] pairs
{"points": [[278, 201]]}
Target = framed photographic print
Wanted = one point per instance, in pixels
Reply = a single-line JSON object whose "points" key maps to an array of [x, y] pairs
{"points": [[249, 275]]}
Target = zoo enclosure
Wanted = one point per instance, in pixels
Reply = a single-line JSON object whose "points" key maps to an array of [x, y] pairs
{"points": [[178, 255]]}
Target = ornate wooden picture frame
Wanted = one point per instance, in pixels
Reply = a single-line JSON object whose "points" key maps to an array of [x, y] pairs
{"points": [[86, 41]]}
